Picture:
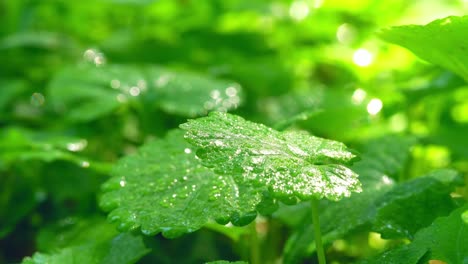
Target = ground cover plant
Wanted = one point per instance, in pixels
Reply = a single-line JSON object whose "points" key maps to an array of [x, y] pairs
{"points": [[235, 131]]}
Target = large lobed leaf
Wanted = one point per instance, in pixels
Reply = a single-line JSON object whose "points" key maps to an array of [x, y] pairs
{"points": [[442, 42], [164, 188], [289, 163], [86, 92]]}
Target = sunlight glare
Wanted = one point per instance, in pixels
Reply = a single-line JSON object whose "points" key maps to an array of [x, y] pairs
{"points": [[374, 106], [362, 57]]}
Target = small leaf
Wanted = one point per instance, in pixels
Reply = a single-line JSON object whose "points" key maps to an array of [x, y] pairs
{"points": [[289, 163], [164, 188], [442, 42]]}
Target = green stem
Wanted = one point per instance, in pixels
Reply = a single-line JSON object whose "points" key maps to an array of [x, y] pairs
{"points": [[254, 244], [317, 233]]}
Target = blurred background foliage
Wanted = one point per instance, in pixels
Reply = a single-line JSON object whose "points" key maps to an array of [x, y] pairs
{"points": [[79, 88]]}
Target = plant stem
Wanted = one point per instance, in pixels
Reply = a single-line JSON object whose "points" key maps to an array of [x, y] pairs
{"points": [[254, 244], [317, 233]]}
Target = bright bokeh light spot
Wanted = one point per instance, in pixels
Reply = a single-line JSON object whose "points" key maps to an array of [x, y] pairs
{"points": [[299, 10], [345, 33], [122, 183], [318, 3], [374, 106], [362, 57], [134, 91], [77, 146], [84, 164], [398, 122], [460, 113], [358, 96]]}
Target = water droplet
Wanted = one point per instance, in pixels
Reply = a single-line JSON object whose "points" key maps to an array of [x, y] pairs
{"points": [[122, 183], [77, 146], [84, 164], [37, 99], [164, 203], [218, 143], [187, 151]]}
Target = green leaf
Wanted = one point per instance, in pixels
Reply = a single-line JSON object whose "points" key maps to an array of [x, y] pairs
{"points": [[94, 241], [400, 214], [442, 42], [164, 188], [21, 144], [86, 92], [381, 158], [226, 262], [446, 239], [289, 163]]}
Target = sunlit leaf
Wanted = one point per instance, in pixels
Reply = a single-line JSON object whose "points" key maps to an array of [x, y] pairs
{"points": [[289, 163], [442, 42], [380, 159], [164, 188]]}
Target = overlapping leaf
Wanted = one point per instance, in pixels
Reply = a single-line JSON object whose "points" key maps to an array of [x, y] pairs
{"points": [[442, 42], [392, 209], [400, 214], [86, 92], [21, 144], [94, 241], [288, 163], [446, 240], [164, 188], [382, 158]]}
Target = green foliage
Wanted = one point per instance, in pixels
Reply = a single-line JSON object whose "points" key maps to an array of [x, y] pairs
{"points": [[400, 213], [95, 241], [440, 42], [288, 163], [445, 240], [88, 92], [98, 163], [226, 262], [165, 189], [381, 158]]}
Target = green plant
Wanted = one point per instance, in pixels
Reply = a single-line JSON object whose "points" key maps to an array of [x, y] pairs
{"points": [[230, 130]]}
